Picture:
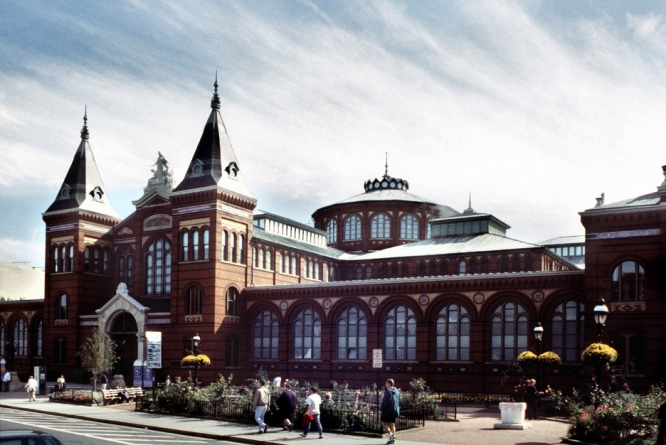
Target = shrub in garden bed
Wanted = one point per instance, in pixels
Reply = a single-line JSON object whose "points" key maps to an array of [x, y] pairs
{"points": [[77, 397]]}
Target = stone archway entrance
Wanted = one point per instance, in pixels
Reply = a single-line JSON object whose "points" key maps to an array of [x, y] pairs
{"points": [[124, 333]]}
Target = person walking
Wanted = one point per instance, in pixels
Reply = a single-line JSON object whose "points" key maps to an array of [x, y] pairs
{"points": [[5, 381], [614, 385], [313, 401], [287, 403], [31, 387], [277, 380], [260, 404], [105, 380], [532, 398], [389, 410]]}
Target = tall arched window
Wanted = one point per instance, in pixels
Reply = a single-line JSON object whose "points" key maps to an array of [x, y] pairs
{"points": [[307, 335], [443, 268], [158, 268], [20, 338], [234, 252], [125, 268], [504, 265], [628, 282], [265, 335], [195, 245], [283, 263], [404, 270], [86, 259], [185, 242], [384, 271], [352, 334], [400, 334], [294, 266], [206, 244], [63, 258], [380, 226], [529, 264], [105, 261], [508, 331], [462, 268], [484, 265], [432, 269], [225, 247], [473, 267], [255, 255], [39, 339], [56, 263], [241, 250], [421, 270], [394, 271], [409, 227], [96, 255], [232, 301], [269, 260], [71, 258], [359, 273], [568, 328], [515, 266], [452, 333], [332, 231], [193, 300], [61, 307], [353, 228], [630, 354]]}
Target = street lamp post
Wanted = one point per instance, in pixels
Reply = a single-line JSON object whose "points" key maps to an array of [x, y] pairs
{"points": [[538, 335], [600, 314], [196, 344]]}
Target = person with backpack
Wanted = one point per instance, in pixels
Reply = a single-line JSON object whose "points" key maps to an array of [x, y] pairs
{"points": [[389, 410]]}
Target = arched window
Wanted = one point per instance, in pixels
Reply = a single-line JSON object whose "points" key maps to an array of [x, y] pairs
{"points": [[232, 355], [265, 336], [232, 301], [86, 259], [193, 300], [294, 264], [255, 255], [352, 334], [185, 241], [269, 260], [241, 249], [262, 259], [63, 258], [515, 266], [484, 265], [400, 334], [380, 226], [20, 338], [283, 263], [384, 271], [61, 307], [96, 255], [359, 273], [353, 228], [409, 227], [56, 263], [568, 328], [443, 268], [452, 329], [206, 244], [508, 331], [158, 268], [421, 270], [462, 268], [332, 231], [317, 271], [71, 258], [404, 270], [628, 282], [473, 267], [394, 270], [307, 335], [39, 339], [504, 265], [529, 264], [124, 324], [195, 245], [368, 273], [126, 268], [433, 268], [225, 247], [105, 261], [234, 252]]}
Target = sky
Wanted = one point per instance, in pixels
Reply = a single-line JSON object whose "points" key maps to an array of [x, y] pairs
{"points": [[534, 108]]}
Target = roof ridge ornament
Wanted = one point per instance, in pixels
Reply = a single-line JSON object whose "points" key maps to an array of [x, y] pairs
{"points": [[386, 165], [469, 209], [84, 131], [215, 101]]}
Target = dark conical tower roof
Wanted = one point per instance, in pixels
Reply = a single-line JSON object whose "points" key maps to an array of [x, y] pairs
{"points": [[214, 162], [82, 188]]}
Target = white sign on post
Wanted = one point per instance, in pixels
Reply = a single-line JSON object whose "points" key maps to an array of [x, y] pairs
{"points": [[376, 358], [154, 347]]}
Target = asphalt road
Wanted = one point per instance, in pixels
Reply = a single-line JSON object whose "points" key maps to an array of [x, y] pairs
{"points": [[83, 432]]}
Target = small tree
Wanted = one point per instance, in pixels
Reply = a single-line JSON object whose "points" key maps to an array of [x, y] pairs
{"points": [[98, 353]]}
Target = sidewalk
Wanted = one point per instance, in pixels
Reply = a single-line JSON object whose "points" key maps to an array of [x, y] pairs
{"points": [[474, 428]]}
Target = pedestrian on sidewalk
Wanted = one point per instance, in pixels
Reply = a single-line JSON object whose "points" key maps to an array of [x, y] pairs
{"points": [[313, 401], [532, 400], [260, 404], [389, 410], [5, 381], [277, 380], [105, 380], [287, 403], [31, 387]]}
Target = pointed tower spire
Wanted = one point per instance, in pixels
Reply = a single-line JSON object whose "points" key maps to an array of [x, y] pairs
{"points": [[214, 162], [469, 209], [386, 165], [83, 188]]}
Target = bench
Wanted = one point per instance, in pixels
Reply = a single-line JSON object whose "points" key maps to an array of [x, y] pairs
{"points": [[110, 396]]}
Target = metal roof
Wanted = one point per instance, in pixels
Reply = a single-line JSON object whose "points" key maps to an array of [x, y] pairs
{"points": [[564, 240], [290, 243]]}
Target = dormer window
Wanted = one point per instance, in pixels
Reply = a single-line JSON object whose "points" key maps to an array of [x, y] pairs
{"points": [[64, 191], [97, 194], [232, 170], [197, 168]]}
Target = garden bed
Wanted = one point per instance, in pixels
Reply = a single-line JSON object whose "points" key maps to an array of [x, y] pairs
{"points": [[76, 397]]}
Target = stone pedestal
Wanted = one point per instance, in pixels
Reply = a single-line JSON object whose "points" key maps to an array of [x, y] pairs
{"points": [[118, 381], [513, 416]]}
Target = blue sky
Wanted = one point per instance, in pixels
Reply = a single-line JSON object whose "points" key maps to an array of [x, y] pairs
{"points": [[535, 108]]}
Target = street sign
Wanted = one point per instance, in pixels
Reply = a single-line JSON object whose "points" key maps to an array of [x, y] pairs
{"points": [[154, 348], [376, 358]]}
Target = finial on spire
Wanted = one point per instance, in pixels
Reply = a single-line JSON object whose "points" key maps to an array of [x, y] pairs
{"points": [[215, 102], [84, 131], [386, 165], [469, 209]]}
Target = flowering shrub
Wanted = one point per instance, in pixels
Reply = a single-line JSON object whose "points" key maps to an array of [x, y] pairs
{"points": [[79, 397], [527, 358], [549, 358], [599, 354]]}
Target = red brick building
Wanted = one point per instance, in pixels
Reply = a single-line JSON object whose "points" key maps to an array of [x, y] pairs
{"points": [[445, 295]]}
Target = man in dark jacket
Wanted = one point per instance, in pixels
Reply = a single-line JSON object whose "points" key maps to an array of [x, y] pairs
{"points": [[287, 402], [390, 409]]}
